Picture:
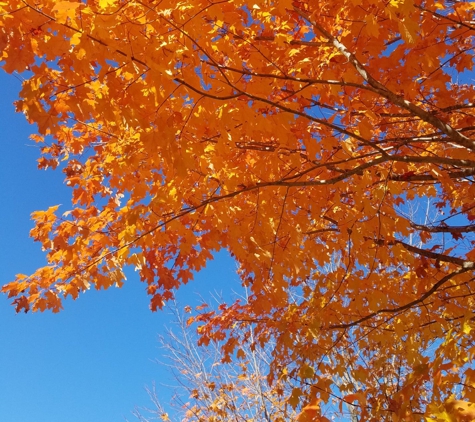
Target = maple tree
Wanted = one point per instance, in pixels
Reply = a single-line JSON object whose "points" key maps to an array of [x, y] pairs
{"points": [[302, 138]]}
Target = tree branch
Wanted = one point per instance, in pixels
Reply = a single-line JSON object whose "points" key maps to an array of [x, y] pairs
{"points": [[380, 89], [444, 228], [408, 305]]}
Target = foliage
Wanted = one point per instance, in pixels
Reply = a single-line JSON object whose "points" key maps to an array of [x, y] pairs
{"points": [[301, 137]]}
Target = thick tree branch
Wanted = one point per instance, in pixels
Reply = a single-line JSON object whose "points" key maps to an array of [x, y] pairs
{"points": [[385, 92], [437, 256], [429, 177], [444, 228], [432, 159]]}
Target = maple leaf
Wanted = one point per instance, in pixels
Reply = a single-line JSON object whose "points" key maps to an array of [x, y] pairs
{"points": [[65, 10]]}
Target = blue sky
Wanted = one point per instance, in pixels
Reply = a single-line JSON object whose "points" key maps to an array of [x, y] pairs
{"points": [[91, 361]]}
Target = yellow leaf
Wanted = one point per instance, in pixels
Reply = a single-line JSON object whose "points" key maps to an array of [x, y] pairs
{"points": [[65, 10], [105, 4]]}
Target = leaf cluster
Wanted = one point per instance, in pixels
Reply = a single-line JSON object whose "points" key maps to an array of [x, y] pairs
{"points": [[329, 148]]}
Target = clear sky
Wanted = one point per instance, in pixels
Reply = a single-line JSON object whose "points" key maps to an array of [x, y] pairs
{"points": [[90, 362]]}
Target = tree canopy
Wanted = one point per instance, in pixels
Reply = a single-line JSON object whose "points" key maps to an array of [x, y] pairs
{"points": [[328, 146]]}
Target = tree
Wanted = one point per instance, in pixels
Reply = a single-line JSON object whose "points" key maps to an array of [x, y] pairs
{"points": [[294, 135], [208, 389]]}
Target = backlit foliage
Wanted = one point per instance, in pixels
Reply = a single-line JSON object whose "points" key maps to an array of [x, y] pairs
{"points": [[328, 146]]}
